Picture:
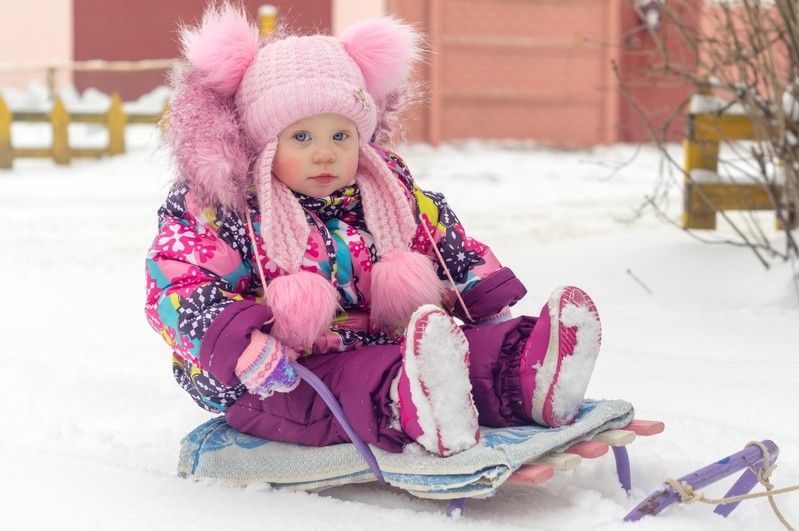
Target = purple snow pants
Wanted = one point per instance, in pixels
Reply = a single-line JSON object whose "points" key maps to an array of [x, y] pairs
{"points": [[361, 379]]}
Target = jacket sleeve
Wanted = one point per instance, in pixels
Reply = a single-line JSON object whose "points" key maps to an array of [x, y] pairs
{"points": [[486, 287], [200, 296]]}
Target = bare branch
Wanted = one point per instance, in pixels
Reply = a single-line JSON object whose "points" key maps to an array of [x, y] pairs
{"points": [[745, 54]]}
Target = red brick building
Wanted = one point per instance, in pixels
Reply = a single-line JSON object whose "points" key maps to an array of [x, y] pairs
{"points": [[121, 30], [532, 69]]}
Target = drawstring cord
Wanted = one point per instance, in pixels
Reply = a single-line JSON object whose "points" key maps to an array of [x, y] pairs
{"points": [[257, 260], [444, 267]]}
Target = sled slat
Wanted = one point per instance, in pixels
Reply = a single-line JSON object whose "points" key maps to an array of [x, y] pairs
{"points": [[532, 474], [615, 437], [645, 427], [588, 449], [560, 461]]}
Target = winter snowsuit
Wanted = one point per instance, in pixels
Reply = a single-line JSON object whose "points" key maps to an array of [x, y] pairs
{"points": [[204, 298]]}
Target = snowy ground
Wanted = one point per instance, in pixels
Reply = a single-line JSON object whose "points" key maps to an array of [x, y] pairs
{"points": [[701, 337]]}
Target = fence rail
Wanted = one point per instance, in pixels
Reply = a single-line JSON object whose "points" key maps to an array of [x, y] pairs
{"points": [[115, 119], [705, 132], [51, 68]]}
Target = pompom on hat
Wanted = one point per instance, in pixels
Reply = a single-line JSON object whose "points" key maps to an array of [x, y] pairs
{"points": [[234, 98]]}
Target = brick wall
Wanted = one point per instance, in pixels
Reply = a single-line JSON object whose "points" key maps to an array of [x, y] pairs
{"points": [[147, 29], [534, 69]]}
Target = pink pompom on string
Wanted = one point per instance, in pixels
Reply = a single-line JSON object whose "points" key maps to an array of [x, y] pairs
{"points": [[303, 305], [385, 50], [222, 47]]}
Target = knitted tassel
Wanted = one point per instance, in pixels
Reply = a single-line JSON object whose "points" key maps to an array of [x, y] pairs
{"points": [[283, 225]]}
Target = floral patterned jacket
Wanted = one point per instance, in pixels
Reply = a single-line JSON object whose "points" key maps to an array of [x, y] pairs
{"points": [[204, 292]]}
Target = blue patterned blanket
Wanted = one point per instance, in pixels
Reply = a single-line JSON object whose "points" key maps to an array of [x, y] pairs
{"points": [[214, 450]]}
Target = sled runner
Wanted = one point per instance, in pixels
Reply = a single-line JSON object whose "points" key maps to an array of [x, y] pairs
{"points": [[754, 459]]}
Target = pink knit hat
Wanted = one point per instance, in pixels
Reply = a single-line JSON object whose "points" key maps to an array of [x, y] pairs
{"points": [[235, 98]]}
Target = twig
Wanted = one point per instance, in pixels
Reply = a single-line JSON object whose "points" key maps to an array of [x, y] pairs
{"points": [[639, 281]]}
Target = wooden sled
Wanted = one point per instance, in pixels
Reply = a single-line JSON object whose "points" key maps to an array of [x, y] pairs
{"points": [[215, 451], [758, 455], [524, 454]]}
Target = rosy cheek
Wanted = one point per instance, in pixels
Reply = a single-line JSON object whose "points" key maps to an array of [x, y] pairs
{"points": [[352, 165], [285, 168]]}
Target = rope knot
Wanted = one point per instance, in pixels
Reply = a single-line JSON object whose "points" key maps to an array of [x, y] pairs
{"points": [[686, 492], [764, 472]]}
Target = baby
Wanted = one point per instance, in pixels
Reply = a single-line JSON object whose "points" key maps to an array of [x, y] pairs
{"points": [[290, 234]]}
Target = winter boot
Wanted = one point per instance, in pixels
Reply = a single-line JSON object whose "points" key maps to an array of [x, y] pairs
{"points": [[434, 393], [559, 356]]}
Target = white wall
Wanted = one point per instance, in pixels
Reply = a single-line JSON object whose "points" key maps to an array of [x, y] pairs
{"points": [[34, 31], [345, 12]]}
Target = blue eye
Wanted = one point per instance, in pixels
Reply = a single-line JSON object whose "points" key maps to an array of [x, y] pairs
{"points": [[341, 135], [302, 136]]}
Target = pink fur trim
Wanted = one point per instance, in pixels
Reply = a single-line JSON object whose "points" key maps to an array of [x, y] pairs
{"points": [[204, 135], [385, 49], [304, 305], [402, 281], [222, 47]]}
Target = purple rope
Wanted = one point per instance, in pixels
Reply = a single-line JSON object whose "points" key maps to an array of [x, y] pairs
{"points": [[335, 407]]}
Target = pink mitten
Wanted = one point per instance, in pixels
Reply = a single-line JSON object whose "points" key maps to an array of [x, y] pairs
{"points": [[264, 367]]}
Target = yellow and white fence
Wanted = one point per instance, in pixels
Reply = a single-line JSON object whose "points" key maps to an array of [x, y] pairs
{"points": [[59, 118], [704, 197], [60, 150]]}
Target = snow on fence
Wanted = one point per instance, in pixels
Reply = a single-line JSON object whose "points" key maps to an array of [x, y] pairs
{"points": [[705, 193], [59, 118], [60, 150], [115, 119]]}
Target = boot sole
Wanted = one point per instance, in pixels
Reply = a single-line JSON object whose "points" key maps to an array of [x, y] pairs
{"points": [[569, 361], [438, 374]]}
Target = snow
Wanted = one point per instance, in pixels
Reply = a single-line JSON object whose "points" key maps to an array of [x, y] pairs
{"points": [[699, 336], [438, 378], [577, 369], [36, 98], [708, 103]]}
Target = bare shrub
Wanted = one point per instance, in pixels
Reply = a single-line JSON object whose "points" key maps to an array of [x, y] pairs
{"points": [[738, 56]]}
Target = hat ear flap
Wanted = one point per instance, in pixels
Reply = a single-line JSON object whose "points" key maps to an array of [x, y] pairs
{"points": [[202, 127], [222, 47], [385, 50]]}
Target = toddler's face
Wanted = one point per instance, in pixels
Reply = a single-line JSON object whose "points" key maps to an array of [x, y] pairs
{"points": [[317, 155]]}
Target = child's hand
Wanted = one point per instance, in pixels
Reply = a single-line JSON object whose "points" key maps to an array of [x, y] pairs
{"points": [[264, 366]]}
